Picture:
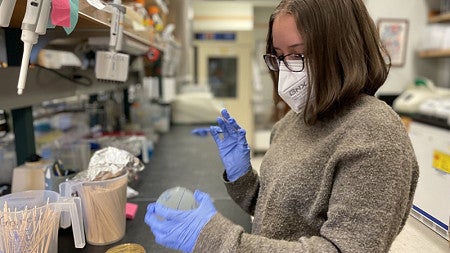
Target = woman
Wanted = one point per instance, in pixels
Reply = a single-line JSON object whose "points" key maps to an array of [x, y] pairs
{"points": [[340, 173]]}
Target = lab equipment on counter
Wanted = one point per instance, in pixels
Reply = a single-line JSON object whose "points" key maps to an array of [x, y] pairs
{"points": [[413, 97], [102, 189], [135, 143], [74, 156], [30, 176], [127, 248], [55, 174], [103, 203], [8, 159], [6, 11], [110, 162], [31, 219], [34, 23]]}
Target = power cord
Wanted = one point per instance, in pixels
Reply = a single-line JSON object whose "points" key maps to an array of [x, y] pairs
{"points": [[75, 78]]}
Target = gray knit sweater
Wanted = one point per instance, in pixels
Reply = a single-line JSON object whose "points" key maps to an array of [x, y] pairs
{"points": [[344, 185]]}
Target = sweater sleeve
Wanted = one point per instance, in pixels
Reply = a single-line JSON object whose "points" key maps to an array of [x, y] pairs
{"points": [[244, 191], [231, 238]]}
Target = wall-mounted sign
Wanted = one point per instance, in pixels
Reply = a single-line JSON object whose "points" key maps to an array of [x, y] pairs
{"points": [[215, 36]]}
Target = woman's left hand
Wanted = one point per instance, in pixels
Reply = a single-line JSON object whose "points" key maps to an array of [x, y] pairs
{"points": [[179, 229]]}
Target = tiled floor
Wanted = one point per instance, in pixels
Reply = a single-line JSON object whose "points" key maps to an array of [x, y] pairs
{"points": [[414, 238], [417, 238]]}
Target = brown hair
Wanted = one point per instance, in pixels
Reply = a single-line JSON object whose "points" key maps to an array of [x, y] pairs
{"points": [[344, 55]]}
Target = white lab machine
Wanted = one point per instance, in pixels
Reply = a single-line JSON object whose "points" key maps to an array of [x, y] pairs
{"points": [[415, 95]]}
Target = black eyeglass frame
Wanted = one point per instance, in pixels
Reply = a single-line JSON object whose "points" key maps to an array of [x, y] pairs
{"points": [[282, 58]]}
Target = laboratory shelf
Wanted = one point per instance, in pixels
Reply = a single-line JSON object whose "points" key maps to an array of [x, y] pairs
{"points": [[91, 18], [439, 18], [44, 85], [435, 53]]}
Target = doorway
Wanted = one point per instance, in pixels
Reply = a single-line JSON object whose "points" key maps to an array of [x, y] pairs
{"points": [[224, 64]]}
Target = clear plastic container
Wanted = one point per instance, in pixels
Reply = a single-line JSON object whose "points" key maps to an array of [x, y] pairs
{"points": [[74, 156], [103, 204], [30, 221]]}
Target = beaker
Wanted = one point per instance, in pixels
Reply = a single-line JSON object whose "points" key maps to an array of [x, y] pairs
{"points": [[52, 181], [103, 204], [30, 220]]}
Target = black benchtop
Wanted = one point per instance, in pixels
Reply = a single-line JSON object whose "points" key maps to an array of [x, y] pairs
{"points": [[179, 159]]}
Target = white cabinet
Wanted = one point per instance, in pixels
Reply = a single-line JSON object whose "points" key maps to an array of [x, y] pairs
{"points": [[432, 198]]}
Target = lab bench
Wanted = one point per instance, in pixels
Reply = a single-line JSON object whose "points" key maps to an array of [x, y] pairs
{"points": [[179, 159]]}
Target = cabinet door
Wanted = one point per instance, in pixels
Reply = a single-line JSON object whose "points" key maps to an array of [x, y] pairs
{"points": [[433, 190]]}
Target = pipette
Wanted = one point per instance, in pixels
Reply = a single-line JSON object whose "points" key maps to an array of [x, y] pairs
{"points": [[34, 24], [112, 65], [6, 11], [116, 31]]}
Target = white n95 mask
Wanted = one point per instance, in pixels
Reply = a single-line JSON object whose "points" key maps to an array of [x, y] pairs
{"points": [[293, 87]]}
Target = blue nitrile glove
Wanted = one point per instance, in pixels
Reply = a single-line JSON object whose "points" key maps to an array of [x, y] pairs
{"points": [[179, 229], [202, 131], [233, 147]]}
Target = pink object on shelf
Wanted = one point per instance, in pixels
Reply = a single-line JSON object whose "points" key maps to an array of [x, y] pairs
{"points": [[60, 13]]}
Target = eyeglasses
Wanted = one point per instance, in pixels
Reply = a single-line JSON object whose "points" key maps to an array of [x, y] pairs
{"points": [[294, 62]]}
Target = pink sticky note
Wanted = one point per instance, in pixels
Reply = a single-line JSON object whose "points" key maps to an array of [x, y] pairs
{"points": [[130, 210], [61, 13]]}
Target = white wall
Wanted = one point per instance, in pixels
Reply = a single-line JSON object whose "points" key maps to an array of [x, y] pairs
{"points": [[222, 16], [415, 12]]}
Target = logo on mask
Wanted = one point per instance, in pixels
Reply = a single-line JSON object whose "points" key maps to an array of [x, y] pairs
{"points": [[297, 89]]}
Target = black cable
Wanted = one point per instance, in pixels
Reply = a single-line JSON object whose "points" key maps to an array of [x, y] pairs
{"points": [[75, 78]]}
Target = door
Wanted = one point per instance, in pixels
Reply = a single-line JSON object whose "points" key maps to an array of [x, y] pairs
{"points": [[226, 68]]}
